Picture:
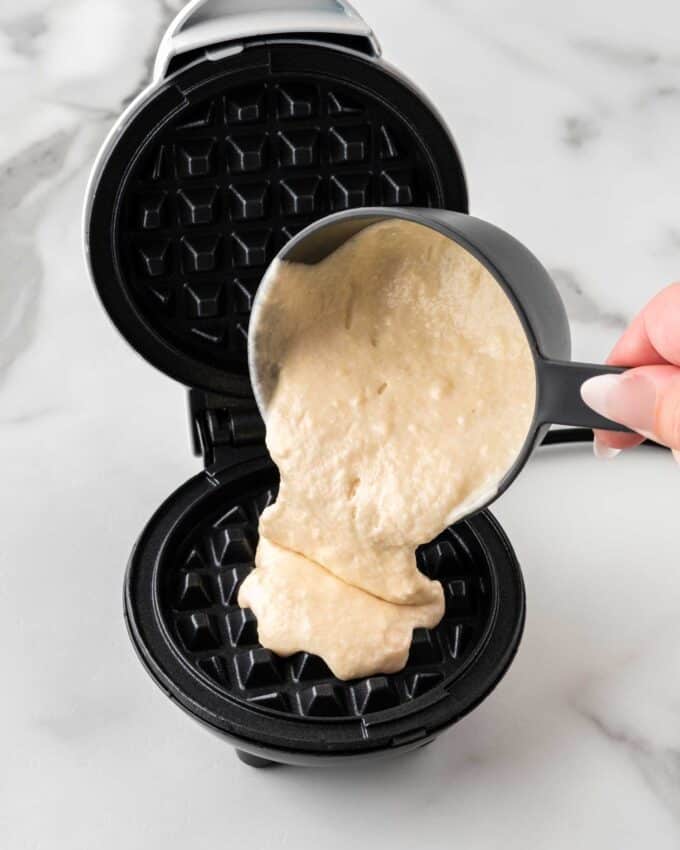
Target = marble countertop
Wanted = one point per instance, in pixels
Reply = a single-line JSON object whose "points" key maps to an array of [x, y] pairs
{"points": [[568, 117]]}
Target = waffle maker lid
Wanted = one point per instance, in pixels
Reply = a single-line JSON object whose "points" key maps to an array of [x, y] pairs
{"points": [[212, 170]]}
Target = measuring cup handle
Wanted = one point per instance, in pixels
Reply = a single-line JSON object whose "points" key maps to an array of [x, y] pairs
{"points": [[559, 398]]}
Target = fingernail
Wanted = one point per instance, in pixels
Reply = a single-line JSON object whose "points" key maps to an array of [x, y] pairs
{"points": [[676, 455], [602, 451], [628, 399]]}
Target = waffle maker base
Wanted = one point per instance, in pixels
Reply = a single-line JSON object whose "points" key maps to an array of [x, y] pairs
{"points": [[201, 648]]}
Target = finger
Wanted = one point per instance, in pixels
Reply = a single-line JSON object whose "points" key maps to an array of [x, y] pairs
{"points": [[635, 347], [608, 444], [654, 335], [647, 341], [646, 399], [662, 322]]}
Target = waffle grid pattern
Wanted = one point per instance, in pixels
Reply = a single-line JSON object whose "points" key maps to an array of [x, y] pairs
{"points": [[223, 187], [219, 640]]}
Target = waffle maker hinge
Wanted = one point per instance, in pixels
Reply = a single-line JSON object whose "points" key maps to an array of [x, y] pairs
{"points": [[224, 430]]}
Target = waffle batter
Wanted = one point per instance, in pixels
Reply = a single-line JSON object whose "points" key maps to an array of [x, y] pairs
{"points": [[403, 389]]}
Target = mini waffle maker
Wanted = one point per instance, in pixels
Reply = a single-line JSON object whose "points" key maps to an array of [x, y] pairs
{"points": [[256, 124]]}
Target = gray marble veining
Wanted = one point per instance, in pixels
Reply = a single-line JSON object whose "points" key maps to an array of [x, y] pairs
{"points": [[23, 271]]}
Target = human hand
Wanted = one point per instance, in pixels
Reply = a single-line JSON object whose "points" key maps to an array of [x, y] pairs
{"points": [[646, 398]]}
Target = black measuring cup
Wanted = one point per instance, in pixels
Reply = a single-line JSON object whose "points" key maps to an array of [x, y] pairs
{"points": [[525, 281]]}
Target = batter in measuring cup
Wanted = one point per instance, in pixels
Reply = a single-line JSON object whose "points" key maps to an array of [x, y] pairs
{"points": [[405, 389]]}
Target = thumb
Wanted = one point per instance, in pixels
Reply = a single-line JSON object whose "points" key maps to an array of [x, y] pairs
{"points": [[646, 399]]}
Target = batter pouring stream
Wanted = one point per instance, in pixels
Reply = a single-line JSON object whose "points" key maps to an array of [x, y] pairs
{"points": [[404, 391]]}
